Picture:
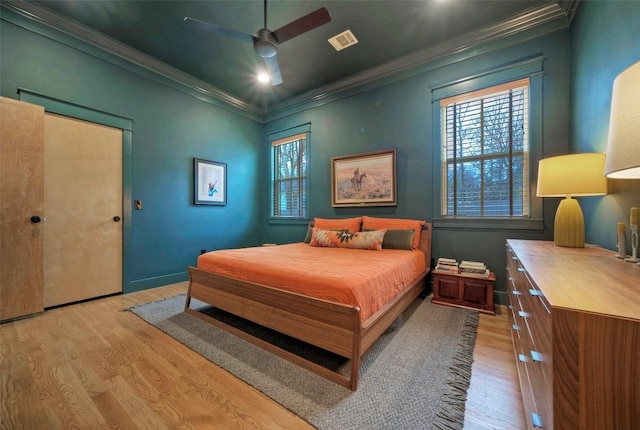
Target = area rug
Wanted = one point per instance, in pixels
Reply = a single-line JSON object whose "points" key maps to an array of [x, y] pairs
{"points": [[415, 376]]}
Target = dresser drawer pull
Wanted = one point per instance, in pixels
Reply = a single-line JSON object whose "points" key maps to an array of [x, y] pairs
{"points": [[536, 419], [521, 270], [516, 293], [514, 258], [510, 307], [523, 314], [535, 292], [516, 327], [523, 358], [536, 356]]}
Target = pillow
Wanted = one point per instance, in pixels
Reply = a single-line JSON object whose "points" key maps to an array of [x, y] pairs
{"points": [[398, 239], [339, 239], [371, 223], [307, 238], [351, 224]]}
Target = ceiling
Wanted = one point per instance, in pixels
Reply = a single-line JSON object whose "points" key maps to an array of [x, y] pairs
{"points": [[389, 32]]}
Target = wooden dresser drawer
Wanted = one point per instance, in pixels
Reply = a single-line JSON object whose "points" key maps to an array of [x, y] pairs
{"points": [[519, 336]]}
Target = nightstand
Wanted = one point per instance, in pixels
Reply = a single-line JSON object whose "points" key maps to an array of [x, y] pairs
{"points": [[464, 291]]}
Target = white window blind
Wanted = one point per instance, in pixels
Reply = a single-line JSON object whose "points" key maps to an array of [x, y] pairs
{"points": [[289, 177], [485, 152]]}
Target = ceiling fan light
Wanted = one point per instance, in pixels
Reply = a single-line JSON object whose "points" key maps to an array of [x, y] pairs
{"points": [[264, 44], [265, 48], [263, 77]]}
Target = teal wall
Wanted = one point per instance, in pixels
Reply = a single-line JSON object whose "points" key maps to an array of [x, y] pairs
{"points": [[169, 129], [171, 126], [399, 115], [605, 40]]}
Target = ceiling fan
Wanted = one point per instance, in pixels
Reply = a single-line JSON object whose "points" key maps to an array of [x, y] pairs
{"points": [[265, 42]]}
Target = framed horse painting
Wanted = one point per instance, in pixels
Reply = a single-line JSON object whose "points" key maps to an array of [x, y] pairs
{"points": [[367, 179], [210, 182]]}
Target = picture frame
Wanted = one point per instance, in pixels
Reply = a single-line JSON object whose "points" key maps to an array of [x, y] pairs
{"points": [[209, 182], [367, 179]]}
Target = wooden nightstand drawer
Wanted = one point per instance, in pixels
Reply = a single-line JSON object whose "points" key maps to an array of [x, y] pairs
{"points": [[464, 291], [448, 289]]}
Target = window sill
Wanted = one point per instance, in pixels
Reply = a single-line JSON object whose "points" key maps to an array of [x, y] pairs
{"points": [[490, 223], [288, 221]]}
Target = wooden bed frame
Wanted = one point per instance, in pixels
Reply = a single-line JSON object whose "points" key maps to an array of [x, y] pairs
{"points": [[332, 326]]}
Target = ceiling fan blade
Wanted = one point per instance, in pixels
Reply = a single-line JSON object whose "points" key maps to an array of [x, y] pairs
{"points": [[273, 68], [302, 25], [217, 29]]}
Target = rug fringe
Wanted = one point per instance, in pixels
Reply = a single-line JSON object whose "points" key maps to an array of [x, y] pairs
{"points": [[452, 406]]}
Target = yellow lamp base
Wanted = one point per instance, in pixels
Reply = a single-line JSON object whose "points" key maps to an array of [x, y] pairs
{"points": [[569, 224]]}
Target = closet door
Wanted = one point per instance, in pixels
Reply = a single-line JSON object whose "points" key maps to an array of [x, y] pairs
{"points": [[83, 201], [21, 208]]}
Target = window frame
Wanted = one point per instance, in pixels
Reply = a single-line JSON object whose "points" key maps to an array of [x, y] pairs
{"points": [[477, 100], [531, 69], [276, 139]]}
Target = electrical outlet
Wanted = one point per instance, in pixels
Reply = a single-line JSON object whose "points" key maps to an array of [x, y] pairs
{"points": [[138, 205]]}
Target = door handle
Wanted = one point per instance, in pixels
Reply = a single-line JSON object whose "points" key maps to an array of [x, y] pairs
{"points": [[35, 219], [116, 218]]}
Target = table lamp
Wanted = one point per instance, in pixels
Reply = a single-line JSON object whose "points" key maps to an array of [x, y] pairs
{"points": [[623, 145], [570, 176]]}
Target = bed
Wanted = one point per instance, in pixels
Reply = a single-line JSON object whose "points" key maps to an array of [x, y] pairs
{"points": [[308, 291]]}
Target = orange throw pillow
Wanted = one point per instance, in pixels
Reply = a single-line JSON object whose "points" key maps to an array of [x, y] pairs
{"points": [[351, 224]]}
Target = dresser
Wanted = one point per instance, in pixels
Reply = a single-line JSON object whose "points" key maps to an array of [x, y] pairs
{"points": [[575, 315]]}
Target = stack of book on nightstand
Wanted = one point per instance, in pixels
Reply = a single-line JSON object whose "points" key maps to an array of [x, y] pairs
{"points": [[473, 268], [447, 265]]}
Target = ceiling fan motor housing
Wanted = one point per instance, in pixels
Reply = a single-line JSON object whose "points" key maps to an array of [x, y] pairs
{"points": [[265, 45]]}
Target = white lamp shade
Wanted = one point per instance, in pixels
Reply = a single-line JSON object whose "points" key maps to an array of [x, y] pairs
{"points": [[623, 145], [573, 174]]}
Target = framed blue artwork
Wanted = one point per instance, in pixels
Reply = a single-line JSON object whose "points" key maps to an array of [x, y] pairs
{"points": [[210, 182]]}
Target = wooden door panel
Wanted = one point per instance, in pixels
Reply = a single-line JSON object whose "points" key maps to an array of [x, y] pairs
{"points": [[21, 197], [83, 194]]}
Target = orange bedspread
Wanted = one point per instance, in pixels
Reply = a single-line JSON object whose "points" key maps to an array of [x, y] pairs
{"points": [[357, 277]]}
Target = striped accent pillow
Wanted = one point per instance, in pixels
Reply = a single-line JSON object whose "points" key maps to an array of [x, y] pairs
{"points": [[339, 239]]}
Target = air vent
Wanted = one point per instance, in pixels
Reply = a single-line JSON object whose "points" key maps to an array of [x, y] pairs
{"points": [[343, 40]]}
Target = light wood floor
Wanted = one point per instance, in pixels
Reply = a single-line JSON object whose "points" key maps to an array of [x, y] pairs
{"points": [[92, 366]]}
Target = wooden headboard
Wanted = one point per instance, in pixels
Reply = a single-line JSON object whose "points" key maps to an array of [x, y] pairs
{"points": [[425, 244]]}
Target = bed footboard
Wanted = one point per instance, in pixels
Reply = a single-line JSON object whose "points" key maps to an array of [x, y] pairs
{"points": [[328, 325], [331, 326]]}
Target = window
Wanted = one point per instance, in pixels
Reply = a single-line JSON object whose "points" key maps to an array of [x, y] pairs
{"points": [[485, 145], [289, 177]]}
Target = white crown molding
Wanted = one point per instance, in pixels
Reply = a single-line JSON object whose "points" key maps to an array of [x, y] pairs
{"points": [[554, 15]]}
